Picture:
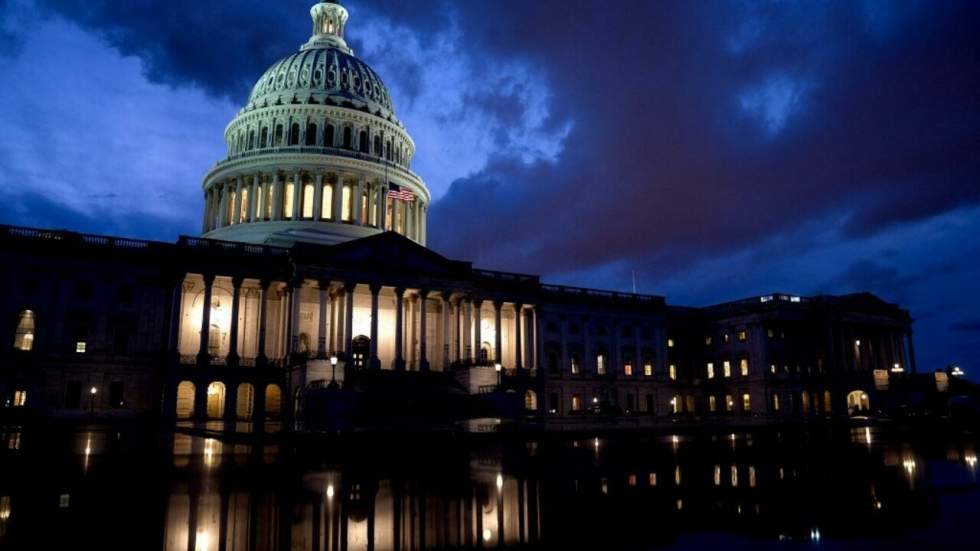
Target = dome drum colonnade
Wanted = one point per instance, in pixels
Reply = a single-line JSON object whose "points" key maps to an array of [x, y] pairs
{"points": [[312, 154]]}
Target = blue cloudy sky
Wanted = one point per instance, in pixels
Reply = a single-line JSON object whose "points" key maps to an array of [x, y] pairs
{"points": [[716, 149]]}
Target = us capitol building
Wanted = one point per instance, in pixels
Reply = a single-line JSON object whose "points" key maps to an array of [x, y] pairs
{"points": [[311, 299]]}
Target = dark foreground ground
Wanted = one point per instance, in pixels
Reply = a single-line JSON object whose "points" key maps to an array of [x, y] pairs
{"points": [[140, 488]]}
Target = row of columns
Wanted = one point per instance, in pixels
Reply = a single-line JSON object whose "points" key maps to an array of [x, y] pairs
{"points": [[246, 199]]}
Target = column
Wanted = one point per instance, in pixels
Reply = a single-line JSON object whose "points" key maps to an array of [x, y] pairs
{"points": [[338, 196], [399, 329], [536, 349], [498, 338], [349, 320], [263, 314], [318, 198], [203, 356], [223, 214], [206, 222], [375, 360], [477, 328], [237, 208], [518, 328], [457, 330], [294, 302], [423, 224], [382, 199], [357, 191], [446, 334], [252, 190], [297, 195], [321, 341], [467, 329], [277, 189], [423, 337], [236, 299]]}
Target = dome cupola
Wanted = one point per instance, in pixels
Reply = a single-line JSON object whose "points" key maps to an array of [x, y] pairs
{"points": [[317, 153]]}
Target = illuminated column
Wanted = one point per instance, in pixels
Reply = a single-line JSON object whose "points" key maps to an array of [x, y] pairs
{"points": [[467, 329], [446, 334], [477, 329], [321, 341], [399, 329], [518, 337], [203, 356], [498, 340], [375, 360], [263, 314], [458, 330], [252, 190], [423, 337], [536, 349], [318, 197], [297, 293], [338, 196], [236, 212], [349, 320], [236, 298]]}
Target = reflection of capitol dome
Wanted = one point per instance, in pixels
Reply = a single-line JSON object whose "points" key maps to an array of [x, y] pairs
{"points": [[315, 152]]}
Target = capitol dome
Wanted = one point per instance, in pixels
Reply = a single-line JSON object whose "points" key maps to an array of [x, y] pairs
{"points": [[317, 153]]}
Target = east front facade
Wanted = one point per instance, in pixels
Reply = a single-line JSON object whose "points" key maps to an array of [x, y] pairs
{"points": [[311, 299]]}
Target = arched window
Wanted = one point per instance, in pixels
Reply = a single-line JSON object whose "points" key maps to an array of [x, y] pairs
{"points": [[294, 134], [273, 401], [363, 142], [245, 400], [251, 139], [388, 150], [185, 400], [311, 134], [531, 400], [24, 336], [278, 137], [216, 400], [857, 402], [308, 190], [328, 136], [348, 138], [377, 145], [264, 137]]}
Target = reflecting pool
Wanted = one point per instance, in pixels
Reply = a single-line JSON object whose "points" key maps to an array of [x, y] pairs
{"points": [[854, 488]]}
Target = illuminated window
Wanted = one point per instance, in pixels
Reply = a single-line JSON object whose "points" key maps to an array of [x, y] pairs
{"points": [[675, 405], [80, 347], [734, 476], [326, 202], [672, 372], [20, 398], [652, 479], [712, 404], [717, 475], [346, 207], [648, 369], [752, 477], [743, 366], [770, 333], [628, 368], [631, 479], [746, 402], [729, 402], [775, 402], [743, 335], [243, 209], [827, 401], [24, 336], [576, 402], [287, 200], [600, 364], [727, 368], [772, 368], [711, 371], [677, 475], [707, 341], [576, 369], [670, 343], [308, 190]]}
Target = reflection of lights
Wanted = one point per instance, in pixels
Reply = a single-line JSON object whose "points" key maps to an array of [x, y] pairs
{"points": [[4, 507], [897, 368], [971, 461], [867, 436], [815, 534], [487, 534], [203, 541], [330, 491], [596, 443], [675, 442], [956, 371], [209, 451], [500, 482], [878, 505], [93, 391], [909, 465]]}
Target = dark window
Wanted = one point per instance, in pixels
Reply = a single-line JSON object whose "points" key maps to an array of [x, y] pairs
{"points": [[116, 395], [251, 139], [73, 395], [328, 136], [647, 333], [294, 134], [84, 290], [377, 145], [629, 403], [348, 138], [575, 328], [363, 142], [264, 139], [650, 403], [311, 134], [553, 400], [31, 287], [552, 362], [552, 327], [126, 294], [120, 341], [278, 137]]}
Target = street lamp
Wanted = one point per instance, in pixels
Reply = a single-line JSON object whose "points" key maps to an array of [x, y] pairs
{"points": [[92, 392], [333, 371], [499, 368]]}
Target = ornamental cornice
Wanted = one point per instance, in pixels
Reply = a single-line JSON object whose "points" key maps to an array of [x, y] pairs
{"points": [[336, 113]]}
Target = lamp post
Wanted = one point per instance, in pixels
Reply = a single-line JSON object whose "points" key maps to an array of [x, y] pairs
{"points": [[499, 368], [333, 372], [92, 392]]}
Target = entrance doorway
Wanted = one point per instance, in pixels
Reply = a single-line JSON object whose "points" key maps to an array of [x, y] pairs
{"points": [[360, 351], [216, 400], [857, 402]]}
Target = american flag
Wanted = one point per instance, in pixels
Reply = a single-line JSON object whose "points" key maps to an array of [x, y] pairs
{"points": [[397, 192]]}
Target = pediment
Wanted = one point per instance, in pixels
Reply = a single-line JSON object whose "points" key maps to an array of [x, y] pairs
{"points": [[386, 252]]}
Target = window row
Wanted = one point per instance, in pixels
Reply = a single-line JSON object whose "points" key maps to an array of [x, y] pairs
{"points": [[311, 135], [24, 336], [726, 369]]}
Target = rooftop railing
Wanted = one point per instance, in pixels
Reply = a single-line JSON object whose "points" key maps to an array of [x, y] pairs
{"points": [[68, 237], [311, 150], [598, 293]]}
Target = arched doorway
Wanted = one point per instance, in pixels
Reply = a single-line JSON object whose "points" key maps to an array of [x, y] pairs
{"points": [[216, 400], [485, 353], [858, 402], [360, 351], [273, 401], [185, 400], [304, 343], [245, 403], [531, 400]]}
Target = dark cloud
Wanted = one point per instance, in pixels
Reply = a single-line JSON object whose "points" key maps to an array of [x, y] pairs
{"points": [[967, 326]]}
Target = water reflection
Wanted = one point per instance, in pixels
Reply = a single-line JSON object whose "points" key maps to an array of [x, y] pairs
{"points": [[197, 493]]}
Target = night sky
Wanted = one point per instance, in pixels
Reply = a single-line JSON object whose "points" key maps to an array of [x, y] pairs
{"points": [[717, 149]]}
